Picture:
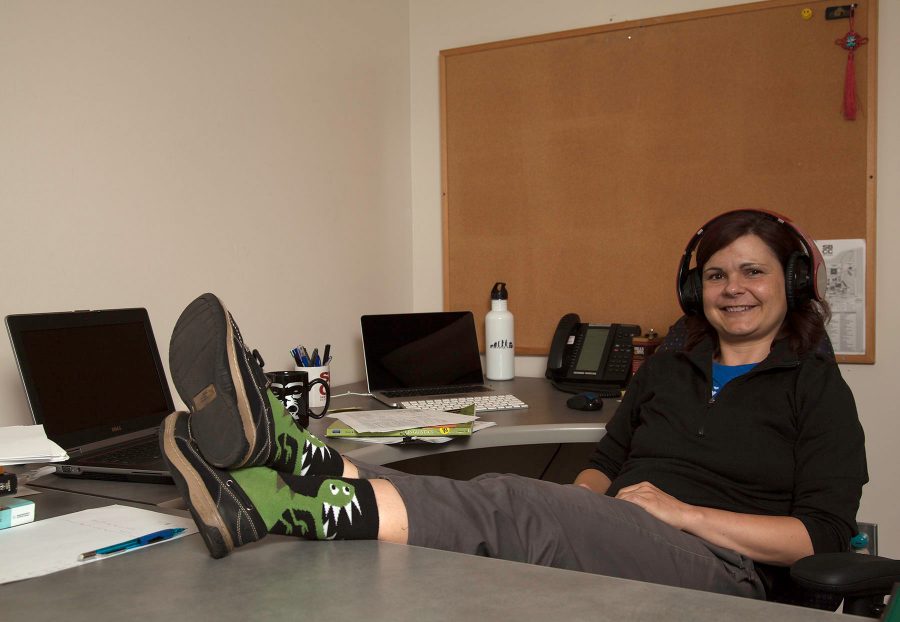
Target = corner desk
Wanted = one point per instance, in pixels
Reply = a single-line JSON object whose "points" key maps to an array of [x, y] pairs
{"points": [[290, 579]]}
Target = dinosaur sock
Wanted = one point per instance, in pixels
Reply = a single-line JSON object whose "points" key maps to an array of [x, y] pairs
{"points": [[297, 451], [315, 507]]}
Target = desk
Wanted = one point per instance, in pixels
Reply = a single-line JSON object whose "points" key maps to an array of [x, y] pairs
{"points": [[287, 578], [547, 421], [284, 578]]}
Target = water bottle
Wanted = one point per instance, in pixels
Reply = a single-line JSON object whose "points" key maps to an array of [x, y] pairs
{"points": [[499, 349]]}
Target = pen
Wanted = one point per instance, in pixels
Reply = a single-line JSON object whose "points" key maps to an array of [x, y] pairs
{"points": [[314, 358], [325, 354], [150, 538]]}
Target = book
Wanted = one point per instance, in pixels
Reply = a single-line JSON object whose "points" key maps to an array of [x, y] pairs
{"points": [[15, 511], [340, 429]]}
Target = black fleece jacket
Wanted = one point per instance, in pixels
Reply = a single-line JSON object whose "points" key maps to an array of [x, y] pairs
{"points": [[782, 440]]}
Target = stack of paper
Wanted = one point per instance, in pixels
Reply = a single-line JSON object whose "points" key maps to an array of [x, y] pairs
{"points": [[406, 423], [27, 444]]}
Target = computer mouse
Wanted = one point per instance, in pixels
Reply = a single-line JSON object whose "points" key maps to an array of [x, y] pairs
{"points": [[585, 401]]}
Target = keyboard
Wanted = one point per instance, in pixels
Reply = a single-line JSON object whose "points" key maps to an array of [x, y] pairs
{"points": [[145, 452], [483, 403]]}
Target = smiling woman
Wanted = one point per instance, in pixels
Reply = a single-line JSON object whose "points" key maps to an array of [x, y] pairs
{"points": [[709, 472], [758, 277], [744, 299]]}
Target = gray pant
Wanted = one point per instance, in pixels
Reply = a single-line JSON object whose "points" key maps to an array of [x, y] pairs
{"points": [[565, 526]]}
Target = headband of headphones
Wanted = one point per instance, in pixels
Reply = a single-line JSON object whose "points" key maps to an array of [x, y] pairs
{"points": [[804, 277]]}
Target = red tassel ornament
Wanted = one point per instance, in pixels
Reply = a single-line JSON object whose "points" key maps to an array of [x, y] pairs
{"points": [[850, 42]]}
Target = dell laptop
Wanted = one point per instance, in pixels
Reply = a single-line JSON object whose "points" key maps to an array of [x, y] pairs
{"points": [[413, 356], [95, 381]]}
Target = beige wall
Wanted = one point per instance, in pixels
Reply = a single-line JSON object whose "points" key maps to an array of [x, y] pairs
{"points": [[442, 24], [152, 151]]}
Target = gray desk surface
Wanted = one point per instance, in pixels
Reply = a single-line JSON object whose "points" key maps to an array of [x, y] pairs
{"points": [[286, 578], [283, 578], [547, 420]]}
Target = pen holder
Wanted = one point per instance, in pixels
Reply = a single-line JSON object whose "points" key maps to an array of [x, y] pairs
{"points": [[295, 389], [318, 395]]}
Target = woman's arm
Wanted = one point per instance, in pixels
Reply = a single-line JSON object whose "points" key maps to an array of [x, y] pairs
{"points": [[593, 480], [778, 540]]}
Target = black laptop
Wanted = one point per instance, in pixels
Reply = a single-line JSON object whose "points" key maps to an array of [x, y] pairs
{"points": [[422, 355], [95, 381]]}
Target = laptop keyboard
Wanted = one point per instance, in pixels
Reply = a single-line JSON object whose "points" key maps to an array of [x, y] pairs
{"points": [[141, 453], [483, 403], [434, 391]]}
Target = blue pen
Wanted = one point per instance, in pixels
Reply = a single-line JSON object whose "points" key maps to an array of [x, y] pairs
{"points": [[150, 538]]}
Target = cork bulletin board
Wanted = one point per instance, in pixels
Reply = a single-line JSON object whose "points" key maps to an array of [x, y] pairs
{"points": [[577, 165]]}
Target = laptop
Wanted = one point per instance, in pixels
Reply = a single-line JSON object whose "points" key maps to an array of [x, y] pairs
{"points": [[410, 356], [95, 381]]}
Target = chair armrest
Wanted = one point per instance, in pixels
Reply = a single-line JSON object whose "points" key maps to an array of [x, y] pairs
{"points": [[847, 573]]}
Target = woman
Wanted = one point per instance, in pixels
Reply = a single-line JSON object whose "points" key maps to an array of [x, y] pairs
{"points": [[745, 448]]}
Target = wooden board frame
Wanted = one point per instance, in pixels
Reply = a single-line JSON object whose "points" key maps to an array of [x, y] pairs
{"points": [[531, 195]]}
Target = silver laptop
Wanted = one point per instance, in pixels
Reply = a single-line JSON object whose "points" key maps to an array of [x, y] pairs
{"points": [[95, 381], [412, 356]]}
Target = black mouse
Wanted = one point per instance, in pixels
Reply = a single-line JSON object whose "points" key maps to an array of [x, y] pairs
{"points": [[585, 401]]}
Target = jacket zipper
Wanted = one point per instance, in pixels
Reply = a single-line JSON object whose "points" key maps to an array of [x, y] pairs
{"points": [[701, 431]]}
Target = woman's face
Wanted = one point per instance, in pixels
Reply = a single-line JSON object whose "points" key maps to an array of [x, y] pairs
{"points": [[743, 292]]}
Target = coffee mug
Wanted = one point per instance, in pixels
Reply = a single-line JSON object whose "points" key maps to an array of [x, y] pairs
{"points": [[293, 389], [319, 396]]}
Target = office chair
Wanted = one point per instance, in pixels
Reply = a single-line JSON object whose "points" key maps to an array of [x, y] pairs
{"points": [[820, 581]]}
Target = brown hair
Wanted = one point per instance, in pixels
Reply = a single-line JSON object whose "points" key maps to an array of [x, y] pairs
{"points": [[804, 325]]}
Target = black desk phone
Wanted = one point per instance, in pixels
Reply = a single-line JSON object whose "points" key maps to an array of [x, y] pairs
{"points": [[591, 357]]}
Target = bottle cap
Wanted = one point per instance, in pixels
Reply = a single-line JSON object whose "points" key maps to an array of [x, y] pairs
{"points": [[499, 292]]}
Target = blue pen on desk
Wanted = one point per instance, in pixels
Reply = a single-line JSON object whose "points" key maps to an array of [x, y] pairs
{"points": [[150, 538]]}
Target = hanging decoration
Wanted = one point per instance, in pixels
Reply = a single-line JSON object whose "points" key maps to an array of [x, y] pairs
{"points": [[850, 42]]}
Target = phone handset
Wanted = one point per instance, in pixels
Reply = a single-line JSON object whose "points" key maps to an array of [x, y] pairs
{"points": [[564, 332]]}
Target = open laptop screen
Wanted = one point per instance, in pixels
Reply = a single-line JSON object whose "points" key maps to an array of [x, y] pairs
{"points": [[417, 350], [90, 375]]}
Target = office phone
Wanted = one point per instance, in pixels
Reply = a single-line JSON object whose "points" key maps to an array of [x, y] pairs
{"points": [[591, 357]]}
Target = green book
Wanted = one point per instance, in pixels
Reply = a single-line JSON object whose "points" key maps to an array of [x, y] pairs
{"points": [[338, 429]]}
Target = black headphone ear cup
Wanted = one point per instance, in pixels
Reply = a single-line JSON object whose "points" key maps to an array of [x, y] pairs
{"points": [[798, 285], [692, 293]]}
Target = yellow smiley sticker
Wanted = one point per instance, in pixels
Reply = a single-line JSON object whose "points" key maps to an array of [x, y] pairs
{"points": [[806, 13]]}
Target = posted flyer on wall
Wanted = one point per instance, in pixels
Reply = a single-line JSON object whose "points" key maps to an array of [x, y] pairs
{"points": [[845, 262]]}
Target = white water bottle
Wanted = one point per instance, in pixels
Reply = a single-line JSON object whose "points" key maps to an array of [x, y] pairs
{"points": [[499, 349]]}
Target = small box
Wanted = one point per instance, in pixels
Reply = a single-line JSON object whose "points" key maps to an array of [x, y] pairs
{"points": [[15, 511]]}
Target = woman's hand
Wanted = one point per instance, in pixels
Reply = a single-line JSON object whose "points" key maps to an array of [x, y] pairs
{"points": [[780, 540], [663, 506]]}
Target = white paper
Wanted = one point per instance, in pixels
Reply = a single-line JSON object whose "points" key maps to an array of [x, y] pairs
{"points": [[27, 444], [845, 262], [437, 440], [54, 544], [392, 420]]}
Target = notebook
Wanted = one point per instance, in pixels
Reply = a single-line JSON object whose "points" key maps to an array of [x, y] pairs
{"points": [[95, 381], [412, 355]]}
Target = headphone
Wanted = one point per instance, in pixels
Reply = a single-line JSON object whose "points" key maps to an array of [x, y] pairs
{"points": [[804, 274]]}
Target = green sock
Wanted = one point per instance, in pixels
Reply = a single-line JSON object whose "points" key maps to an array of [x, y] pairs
{"points": [[297, 451], [315, 507]]}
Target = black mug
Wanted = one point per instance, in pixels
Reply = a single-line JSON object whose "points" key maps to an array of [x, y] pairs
{"points": [[292, 389]]}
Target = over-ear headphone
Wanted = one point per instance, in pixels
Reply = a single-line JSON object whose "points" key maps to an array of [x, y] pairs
{"points": [[804, 274]]}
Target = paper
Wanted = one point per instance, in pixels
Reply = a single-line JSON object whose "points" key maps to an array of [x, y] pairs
{"points": [[390, 420], [54, 544], [393, 440], [845, 262], [26, 444]]}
